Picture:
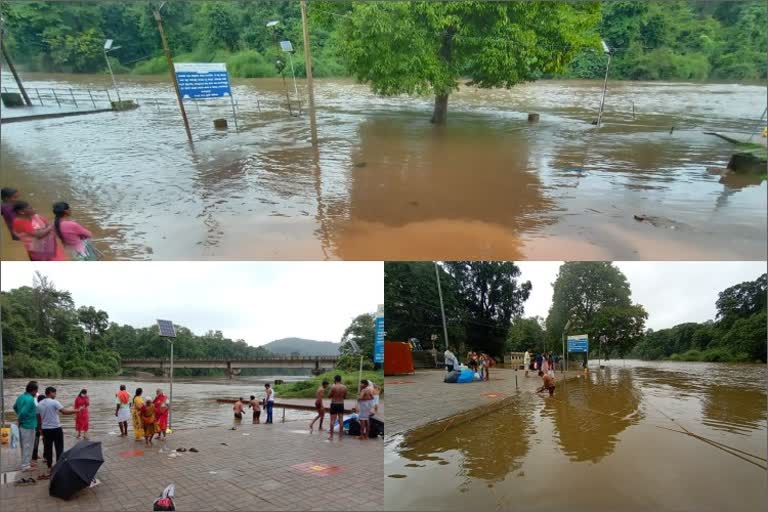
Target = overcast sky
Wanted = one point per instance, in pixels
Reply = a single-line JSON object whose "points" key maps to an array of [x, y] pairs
{"points": [[672, 292], [255, 301]]}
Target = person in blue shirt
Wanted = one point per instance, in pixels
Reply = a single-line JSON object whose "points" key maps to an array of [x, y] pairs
{"points": [[26, 412]]}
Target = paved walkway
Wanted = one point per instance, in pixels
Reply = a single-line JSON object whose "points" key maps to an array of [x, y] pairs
{"points": [[417, 400], [257, 467]]}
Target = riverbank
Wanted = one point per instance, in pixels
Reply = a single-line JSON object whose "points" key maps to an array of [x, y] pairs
{"points": [[307, 388], [536, 190], [626, 426], [257, 467], [422, 403]]}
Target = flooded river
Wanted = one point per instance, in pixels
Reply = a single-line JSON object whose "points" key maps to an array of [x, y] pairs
{"points": [[194, 399], [603, 443], [386, 184]]}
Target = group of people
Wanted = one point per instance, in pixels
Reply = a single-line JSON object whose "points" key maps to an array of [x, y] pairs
{"points": [[38, 418], [149, 416], [544, 364], [268, 403], [540, 362], [60, 240], [367, 405], [481, 363]]}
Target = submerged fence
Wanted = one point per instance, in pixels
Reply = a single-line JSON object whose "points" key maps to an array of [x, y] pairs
{"points": [[97, 98]]}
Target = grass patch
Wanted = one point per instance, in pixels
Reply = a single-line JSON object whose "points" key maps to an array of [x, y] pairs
{"points": [[306, 388]]}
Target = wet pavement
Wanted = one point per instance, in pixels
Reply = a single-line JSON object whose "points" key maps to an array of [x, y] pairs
{"points": [[617, 440], [386, 184], [258, 467]]}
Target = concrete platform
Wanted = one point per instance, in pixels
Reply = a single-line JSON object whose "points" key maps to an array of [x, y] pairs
{"points": [[257, 467], [423, 398]]}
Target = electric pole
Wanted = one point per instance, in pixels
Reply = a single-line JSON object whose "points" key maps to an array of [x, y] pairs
{"points": [[308, 67]]}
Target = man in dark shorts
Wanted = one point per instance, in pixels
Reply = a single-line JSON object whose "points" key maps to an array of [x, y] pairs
{"points": [[337, 394], [319, 395], [549, 383], [254, 404], [238, 409]]}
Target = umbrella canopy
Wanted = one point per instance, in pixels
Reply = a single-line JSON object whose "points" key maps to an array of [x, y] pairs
{"points": [[75, 469]]}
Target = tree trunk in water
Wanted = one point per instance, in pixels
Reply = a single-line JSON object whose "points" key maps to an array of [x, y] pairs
{"points": [[440, 113]]}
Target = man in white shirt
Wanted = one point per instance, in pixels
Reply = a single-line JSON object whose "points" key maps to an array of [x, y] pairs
{"points": [[451, 363], [527, 361], [53, 435]]}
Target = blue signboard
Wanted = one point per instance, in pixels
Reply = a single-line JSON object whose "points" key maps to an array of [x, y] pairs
{"points": [[578, 343], [378, 346], [205, 80]]}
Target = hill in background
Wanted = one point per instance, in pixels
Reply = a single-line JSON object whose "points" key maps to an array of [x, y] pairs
{"points": [[288, 346]]}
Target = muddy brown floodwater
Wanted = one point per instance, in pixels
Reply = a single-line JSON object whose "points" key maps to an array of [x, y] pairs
{"points": [[386, 184], [602, 443], [194, 400]]}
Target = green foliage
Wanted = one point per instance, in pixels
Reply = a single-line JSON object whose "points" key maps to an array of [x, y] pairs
{"points": [[680, 41], [425, 48], [307, 388], [526, 334], [351, 363], [362, 332], [739, 335], [480, 299], [594, 298]]}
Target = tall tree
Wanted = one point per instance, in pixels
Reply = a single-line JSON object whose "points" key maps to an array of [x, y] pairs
{"points": [[427, 47], [595, 297], [491, 294], [362, 332], [742, 300], [526, 334]]}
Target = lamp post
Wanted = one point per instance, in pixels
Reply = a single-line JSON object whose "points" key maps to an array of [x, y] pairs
{"points": [[108, 48], [168, 331], [279, 64], [442, 308], [607, 51], [287, 47]]}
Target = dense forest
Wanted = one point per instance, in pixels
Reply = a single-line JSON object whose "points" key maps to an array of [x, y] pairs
{"points": [[484, 308], [46, 335], [694, 40]]}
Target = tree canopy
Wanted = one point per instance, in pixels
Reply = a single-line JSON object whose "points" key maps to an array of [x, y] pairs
{"points": [[46, 335], [426, 48], [405, 47]]}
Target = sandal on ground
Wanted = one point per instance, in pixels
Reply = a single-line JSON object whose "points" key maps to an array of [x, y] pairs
{"points": [[44, 477], [25, 481], [181, 450], [193, 450]]}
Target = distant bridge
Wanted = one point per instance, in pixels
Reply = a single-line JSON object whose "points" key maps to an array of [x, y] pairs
{"points": [[232, 366]]}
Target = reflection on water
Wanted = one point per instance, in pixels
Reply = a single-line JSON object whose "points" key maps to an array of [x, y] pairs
{"points": [[599, 433], [590, 414], [499, 450], [385, 183], [194, 400]]}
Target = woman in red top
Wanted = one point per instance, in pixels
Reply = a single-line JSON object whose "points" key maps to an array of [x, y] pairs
{"points": [[161, 412], [81, 420], [36, 234]]}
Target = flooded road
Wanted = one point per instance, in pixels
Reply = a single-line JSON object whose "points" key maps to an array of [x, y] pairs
{"points": [[386, 184], [194, 400], [607, 442]]}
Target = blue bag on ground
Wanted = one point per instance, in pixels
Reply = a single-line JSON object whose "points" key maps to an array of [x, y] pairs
{"points": [[466, 376], [452, 377]]}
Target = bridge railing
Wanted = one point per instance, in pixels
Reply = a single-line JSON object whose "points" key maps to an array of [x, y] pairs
{"points": [[233, 359]]}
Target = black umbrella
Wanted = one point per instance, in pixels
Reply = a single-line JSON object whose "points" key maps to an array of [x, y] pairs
{"points": [[75, 470]]}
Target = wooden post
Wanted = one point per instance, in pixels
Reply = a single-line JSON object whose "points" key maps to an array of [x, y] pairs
{"points": [[308, 67], [173, 75], [13, 71], [38, 96], [56, 97]]}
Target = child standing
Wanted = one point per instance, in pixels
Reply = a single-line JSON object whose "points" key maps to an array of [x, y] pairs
{"points": [[82, 402]]}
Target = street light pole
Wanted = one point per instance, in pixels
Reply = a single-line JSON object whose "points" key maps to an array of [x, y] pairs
{"points": [[310, 82], [605, 83], [170, 398], [109, 66], [442, 308], [7, 58]]}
